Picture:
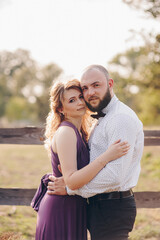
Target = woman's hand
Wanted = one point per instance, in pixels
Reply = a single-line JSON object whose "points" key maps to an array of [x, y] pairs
{"points": [[117, 150]]}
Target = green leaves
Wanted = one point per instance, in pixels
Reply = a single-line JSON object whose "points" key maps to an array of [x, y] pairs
{"points": [[24, 87], [140, 67]]}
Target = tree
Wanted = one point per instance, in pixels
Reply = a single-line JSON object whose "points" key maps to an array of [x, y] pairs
{"points": [[151, 7], [48, 74], [138, 69], [4, 95], [138, 79], [23, 80], [18, 108]]}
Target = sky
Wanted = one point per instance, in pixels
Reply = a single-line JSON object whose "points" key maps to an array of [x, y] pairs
{"points": [[70, 33]]}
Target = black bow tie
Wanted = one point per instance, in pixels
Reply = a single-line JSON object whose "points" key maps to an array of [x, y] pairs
{"points": [[98, 115]]}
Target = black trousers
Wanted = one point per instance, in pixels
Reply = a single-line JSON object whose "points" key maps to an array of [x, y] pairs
{"points": [[111, 219]]}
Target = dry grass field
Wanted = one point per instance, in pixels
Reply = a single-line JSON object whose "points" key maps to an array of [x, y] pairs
{"points": [[23, 166]]}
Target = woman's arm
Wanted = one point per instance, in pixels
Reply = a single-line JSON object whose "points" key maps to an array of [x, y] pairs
{"points": [[66, 147]]}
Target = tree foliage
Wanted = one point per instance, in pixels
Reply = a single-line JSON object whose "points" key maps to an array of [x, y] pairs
{"points": [[151, 7], [137, 76], [24, 86], [137, 70]]}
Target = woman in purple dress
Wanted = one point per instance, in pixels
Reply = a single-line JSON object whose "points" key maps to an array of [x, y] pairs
{"points": [[64, 217]]}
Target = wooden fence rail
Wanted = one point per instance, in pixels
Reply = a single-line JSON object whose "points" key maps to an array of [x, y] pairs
{"points": [[33, 135]]}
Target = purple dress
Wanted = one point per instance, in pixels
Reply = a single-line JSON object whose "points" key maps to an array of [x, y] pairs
{"points": [[64, 217]]}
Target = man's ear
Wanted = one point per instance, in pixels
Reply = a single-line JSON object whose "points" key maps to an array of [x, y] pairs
{"points": [[111, 83]]}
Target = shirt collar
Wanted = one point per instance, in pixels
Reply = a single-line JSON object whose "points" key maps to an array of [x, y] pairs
{"points": [[114, 99]]}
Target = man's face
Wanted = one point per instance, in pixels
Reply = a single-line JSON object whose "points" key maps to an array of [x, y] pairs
{"points": [[95, 89]]}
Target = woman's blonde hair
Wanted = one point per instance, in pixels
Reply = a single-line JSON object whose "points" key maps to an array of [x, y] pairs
{"points": [[55, 117]]}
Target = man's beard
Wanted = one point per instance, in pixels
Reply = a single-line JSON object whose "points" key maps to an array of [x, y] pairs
{"points": [[103, 103]]}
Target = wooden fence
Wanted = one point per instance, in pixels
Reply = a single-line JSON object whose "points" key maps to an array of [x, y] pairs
{"points": [[33, 135]]}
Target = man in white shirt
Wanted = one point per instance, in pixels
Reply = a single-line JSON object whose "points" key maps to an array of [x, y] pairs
{"points": [[111, 209]]}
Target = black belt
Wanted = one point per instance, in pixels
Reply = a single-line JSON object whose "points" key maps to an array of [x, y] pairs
{"points": [[110, 195]]}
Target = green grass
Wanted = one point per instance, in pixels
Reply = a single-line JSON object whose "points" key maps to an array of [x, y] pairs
{"points": [[23, 166], [21, 220]]}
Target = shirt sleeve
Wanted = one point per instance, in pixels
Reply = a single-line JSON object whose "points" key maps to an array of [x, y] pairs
{"points": [[110, 178]]}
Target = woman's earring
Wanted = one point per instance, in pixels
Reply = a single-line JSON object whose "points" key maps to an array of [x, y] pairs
{"points": [[61, 114]]}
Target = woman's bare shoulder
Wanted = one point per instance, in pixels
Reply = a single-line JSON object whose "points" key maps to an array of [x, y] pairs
{"points": [[65, 132], [64, 136]]}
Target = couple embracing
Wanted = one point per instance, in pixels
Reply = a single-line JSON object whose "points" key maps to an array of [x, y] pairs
{"points": [[93, 174]]}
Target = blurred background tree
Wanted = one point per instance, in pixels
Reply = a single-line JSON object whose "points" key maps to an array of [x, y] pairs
{"points": [[24, 84], [24, 87], [137, 71], [151, 7]]}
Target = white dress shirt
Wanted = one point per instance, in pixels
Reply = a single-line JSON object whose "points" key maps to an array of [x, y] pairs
{"points": [[120, 122]]}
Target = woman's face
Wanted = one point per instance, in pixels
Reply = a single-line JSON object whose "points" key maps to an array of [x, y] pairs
{"points": [[73, 104]]}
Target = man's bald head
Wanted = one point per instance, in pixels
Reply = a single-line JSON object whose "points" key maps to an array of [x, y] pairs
{"points": [[96, 67]]}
